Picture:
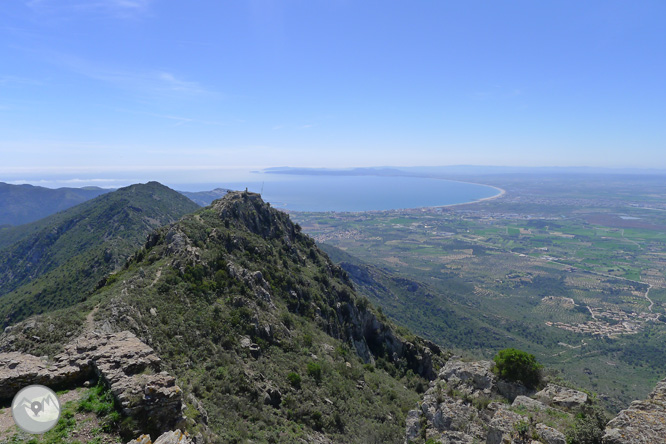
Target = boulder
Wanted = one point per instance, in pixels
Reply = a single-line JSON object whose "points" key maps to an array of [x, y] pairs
{"points": [[476, 375], [272, 397], [528, 403], [502, 426], [561, 396], [549, 435]]}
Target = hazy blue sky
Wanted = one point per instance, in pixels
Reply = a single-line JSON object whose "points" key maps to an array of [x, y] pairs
{"points": [[149, 89]]}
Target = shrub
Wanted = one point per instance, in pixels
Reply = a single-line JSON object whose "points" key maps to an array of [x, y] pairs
{"points": [[314, 370], [589, 426], [522, 428], [517, 365], [294, 379]]}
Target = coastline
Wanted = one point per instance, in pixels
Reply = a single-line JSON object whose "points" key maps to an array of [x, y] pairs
{"points": [[501, 193], [284, 206]]}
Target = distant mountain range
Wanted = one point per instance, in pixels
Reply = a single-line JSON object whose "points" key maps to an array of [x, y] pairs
{"points": [[205, 198], [58, 260], [20, 204]]}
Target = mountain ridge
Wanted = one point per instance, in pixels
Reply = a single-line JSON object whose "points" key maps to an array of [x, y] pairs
{"points": [[59, 259], [258, 325], [27, 203]]}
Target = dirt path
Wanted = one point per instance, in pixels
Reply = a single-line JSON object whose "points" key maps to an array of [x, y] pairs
{"points": [[157, 276], [90, 320], [648, 297]]}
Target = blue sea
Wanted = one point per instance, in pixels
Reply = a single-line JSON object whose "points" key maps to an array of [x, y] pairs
{"points": [[359, 193]]}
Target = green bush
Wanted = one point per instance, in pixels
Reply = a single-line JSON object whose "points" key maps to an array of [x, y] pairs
{"points": [[589, 426], [294, 379], [517, 365], [314, 370]]}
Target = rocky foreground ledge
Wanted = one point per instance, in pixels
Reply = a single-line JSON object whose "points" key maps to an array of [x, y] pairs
{"points": [[130, 369], [467, 403], [644, 422]]}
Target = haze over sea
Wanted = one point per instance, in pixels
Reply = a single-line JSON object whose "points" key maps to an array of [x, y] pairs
{"points": [[360, 193]]}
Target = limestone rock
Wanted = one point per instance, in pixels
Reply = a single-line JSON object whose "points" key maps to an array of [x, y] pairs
{"points": [[561, 396], [455, 438], [549, 435], [528, 403], [143, 439], [477, 375], [413, 422], [129, 367], [501, 427], [642, 423], [174, 437]]}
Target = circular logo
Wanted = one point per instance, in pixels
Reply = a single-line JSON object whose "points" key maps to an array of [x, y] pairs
{"points": [[36, 409]]}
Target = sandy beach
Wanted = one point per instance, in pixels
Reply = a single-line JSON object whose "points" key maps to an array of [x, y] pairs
{"points": [[502, 192]]}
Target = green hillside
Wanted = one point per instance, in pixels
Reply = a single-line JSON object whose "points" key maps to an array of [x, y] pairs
{"points": [[57, 261], [21, 204], [236, 300]]}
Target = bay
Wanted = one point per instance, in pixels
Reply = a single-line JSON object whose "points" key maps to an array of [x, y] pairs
{"points": [[362, 193]]}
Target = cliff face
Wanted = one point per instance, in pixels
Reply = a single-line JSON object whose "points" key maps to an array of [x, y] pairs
{"points": [[642, 423]]}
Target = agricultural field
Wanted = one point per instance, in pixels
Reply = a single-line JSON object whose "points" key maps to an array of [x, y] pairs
{"points": [[572, 269]]}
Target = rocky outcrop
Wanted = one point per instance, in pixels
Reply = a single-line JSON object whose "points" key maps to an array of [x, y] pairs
{"points": [[130, 369], [172, 437], [467, 403], [502, 427], [472, 377], [371, 337], [644, 422], [562, 396], [528, 403], [549, 435], [457, 407]]}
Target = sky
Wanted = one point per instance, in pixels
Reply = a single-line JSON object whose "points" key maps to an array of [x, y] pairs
{"points": [[111, 91]]}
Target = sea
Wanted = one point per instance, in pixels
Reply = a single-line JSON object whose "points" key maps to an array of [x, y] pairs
{"points": [[319, 193], [302, 192]]}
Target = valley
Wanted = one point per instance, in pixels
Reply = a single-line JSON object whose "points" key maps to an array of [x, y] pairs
{"points": [[570, 268]]}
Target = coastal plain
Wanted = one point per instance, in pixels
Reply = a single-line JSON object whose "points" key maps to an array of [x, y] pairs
{"points": [[571, 268]]}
